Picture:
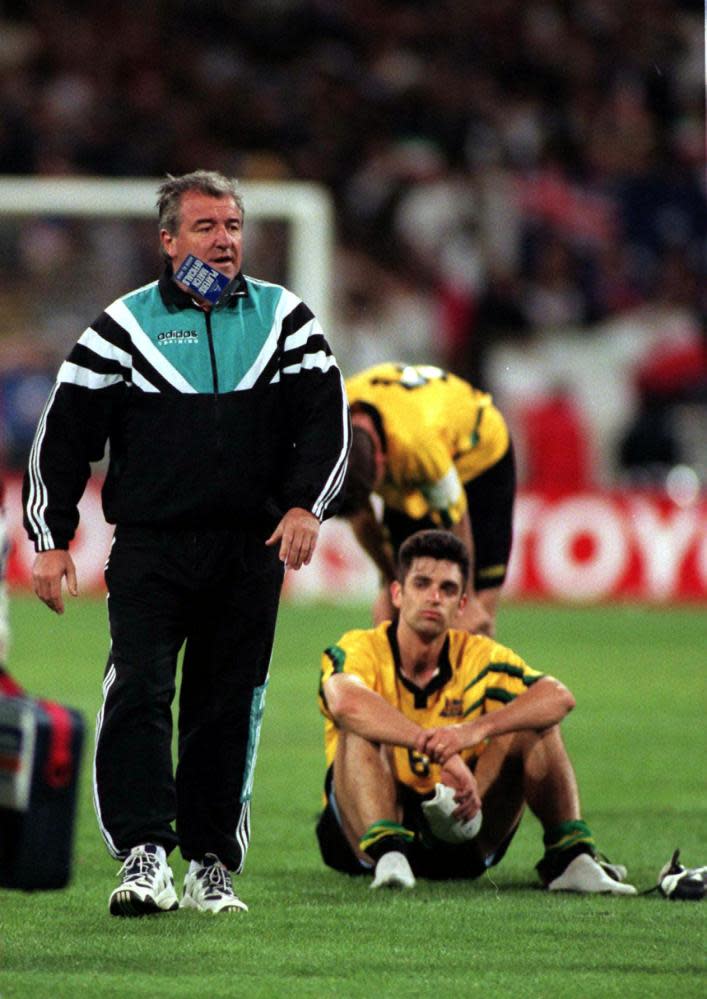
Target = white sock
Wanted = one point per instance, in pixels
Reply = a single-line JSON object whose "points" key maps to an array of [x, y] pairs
{"points": [[194, 866], [161, 853]]}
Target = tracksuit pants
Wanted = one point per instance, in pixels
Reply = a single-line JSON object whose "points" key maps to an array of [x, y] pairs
{"points": [[216, 594]]}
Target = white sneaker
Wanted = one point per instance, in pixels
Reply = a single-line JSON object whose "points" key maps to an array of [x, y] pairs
{"points": [[616, 871], [584, 874], [147, 884], [675, 881], [393, 871], [209, 888]]}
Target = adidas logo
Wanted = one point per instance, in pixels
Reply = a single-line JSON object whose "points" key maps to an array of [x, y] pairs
{"points": [[178, 336]]}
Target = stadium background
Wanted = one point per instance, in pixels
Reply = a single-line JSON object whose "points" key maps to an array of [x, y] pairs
{"points": [[519, 196]]}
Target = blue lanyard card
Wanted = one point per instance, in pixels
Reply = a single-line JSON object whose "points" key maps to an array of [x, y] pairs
{"points": [[201, 279]]}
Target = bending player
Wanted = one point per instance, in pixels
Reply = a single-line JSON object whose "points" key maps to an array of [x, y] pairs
{"points": [[438, 453], [415, 704]]}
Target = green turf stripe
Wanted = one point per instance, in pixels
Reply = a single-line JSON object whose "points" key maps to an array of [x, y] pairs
{"points": [[310, 926]]}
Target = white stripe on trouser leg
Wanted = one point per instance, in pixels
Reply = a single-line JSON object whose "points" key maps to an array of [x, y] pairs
{"points": [[243, 833], [107, 684]]}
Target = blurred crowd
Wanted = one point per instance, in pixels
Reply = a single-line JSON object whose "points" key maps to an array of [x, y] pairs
{"points": [[519, 187]]}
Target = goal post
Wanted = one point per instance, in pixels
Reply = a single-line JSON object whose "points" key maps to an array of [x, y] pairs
{"points": [[306, 207]]}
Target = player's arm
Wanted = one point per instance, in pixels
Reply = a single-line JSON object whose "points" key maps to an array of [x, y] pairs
{"points": [[474, 616], [446, 496], [356, 708], [372, 538], [316, 419], [542, 705], [72, 432]]}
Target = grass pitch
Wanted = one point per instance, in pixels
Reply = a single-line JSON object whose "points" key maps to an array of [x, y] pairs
{"points": [[636, 739]]}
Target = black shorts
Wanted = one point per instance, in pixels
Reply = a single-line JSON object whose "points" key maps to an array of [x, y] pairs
{"points": [[490, 497], [443, 863]]}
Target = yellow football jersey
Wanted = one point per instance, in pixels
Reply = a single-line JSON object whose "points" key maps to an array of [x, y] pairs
{"points": [[476, 676], [440, 433]]}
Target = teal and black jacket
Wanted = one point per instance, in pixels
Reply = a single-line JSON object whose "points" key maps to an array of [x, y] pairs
{"points": [[213, 419]]}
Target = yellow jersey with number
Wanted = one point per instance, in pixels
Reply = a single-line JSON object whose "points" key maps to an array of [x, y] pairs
{"points": [[440, 432], [476, 675]]}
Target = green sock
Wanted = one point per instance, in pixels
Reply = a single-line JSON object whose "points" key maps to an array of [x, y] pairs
{"points": [[568, 835], [384, 836], [563, 843]]}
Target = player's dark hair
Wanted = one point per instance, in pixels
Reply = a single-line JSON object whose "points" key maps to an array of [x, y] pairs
{"points": [[360, 474], [440, 545], [208, 182]]}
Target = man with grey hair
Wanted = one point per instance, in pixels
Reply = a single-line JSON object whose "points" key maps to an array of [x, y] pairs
{"points": [[206, 182], [229, 433]]}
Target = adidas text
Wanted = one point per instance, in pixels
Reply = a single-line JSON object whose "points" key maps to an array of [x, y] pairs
{"points": [[178, 336]]}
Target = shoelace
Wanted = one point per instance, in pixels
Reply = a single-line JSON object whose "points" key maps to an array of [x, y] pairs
{"points": [[218, 878], [139, 866]]}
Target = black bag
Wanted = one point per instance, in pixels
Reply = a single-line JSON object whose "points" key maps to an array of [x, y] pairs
{"points": [[40, 756]]}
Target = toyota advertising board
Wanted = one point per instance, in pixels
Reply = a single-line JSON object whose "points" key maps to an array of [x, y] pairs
{"points": [[579, 547]]}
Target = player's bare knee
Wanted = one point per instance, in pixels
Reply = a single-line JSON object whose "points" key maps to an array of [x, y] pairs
{"points": [[548, 739], [507, 747], [358, 754]]}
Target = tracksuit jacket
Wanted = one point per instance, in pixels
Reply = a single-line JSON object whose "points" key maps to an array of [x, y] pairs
{"points": [[218, 422], [213, 419]]}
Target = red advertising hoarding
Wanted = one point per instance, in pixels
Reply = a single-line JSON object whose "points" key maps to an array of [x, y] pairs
{"points": [[580, 547]]}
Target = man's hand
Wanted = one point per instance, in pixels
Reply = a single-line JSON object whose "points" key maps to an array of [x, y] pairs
{"points": [[297, 533], [442, 743], [456, 774], [48, 571]]}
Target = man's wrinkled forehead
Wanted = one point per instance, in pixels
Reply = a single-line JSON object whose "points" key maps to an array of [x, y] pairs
{"points": [[197, 204]]}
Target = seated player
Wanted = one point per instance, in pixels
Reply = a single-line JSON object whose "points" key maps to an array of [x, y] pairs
{"points": [[438, 453], [416, 704]]}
